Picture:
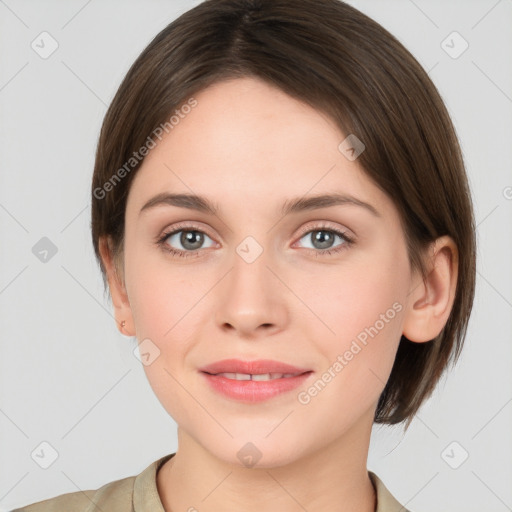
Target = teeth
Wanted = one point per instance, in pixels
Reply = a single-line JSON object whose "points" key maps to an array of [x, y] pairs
{"points": [[263, 376], [267, 376]]}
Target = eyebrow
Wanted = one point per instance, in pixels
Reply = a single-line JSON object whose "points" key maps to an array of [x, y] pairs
{"points": [[294, 205]]}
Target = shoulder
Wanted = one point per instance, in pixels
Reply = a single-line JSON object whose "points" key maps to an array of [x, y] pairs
{"points": [[386, 502], [117, 495], [124, 495]]}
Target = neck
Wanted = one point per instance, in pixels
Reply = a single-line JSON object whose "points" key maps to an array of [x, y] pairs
{"points": [[333, 478]]}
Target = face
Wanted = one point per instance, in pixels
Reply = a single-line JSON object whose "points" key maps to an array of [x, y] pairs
{"points": [[322, 288]]}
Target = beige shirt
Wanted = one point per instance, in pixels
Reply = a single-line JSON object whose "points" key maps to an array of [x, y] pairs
{"points": [[139, 494]]}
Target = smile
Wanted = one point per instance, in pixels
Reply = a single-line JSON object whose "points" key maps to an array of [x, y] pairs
{"points": [[259, 377]]}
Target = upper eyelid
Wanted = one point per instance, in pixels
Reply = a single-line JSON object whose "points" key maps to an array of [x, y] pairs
{"points": [[185, 227], [323, 225]]}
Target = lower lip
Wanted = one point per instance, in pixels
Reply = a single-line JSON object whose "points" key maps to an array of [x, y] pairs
{"points": [[253, 390]]}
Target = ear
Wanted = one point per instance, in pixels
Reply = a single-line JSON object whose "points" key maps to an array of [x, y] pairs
{"points": [[430, 302], [122, 309]]}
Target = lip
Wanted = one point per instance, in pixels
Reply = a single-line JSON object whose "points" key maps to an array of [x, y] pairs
{"points": [[251, 391], [253, 367]]}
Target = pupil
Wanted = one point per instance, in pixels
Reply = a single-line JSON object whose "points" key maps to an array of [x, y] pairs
{"points": [[325, 239], [191, 237]]}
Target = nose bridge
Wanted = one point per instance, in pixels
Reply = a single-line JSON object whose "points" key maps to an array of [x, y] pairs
{"points": [[250, 270], [251, 293]]}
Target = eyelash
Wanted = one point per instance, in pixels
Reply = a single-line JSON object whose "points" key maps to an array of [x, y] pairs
{"points": [[348, 241]]}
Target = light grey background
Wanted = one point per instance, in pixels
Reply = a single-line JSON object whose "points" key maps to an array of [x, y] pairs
{"points": [[70, 379]]}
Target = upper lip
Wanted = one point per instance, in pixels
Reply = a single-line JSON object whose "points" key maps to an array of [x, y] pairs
{"points": [[257, 367]]}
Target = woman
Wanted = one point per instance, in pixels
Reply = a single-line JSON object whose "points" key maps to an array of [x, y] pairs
{"points": [[291, 241]]}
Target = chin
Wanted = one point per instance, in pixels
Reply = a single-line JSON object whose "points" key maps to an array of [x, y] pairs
{"points": [[253, 452]]}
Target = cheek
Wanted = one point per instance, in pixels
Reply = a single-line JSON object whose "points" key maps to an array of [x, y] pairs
{"points": [[359, 310], [162, 295], [167, 309], [350, 298], [365, 312]]}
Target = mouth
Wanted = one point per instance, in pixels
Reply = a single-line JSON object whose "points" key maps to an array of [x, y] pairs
{"points": [[253, 381], [256, 376]]}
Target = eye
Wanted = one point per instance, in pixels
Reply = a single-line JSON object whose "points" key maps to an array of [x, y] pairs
{"points": [[322, 239], [184, 242]]}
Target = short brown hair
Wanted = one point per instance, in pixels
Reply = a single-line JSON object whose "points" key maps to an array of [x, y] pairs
{"points": [[331, 56]]}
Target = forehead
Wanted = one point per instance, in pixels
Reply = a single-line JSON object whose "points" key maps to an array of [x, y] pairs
{"points": [[250, 142]]}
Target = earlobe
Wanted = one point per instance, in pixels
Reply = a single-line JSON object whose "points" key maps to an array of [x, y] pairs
{"points": [[122, 309], [430, 301]]}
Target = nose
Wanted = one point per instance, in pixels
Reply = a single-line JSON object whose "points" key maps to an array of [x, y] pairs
{"points": [[251, 300]]}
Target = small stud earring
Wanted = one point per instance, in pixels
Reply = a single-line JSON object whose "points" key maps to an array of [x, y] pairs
{"points": [[123, 324]]}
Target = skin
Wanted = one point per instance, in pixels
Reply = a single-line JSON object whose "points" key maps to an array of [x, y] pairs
{"points": [[249, 147]]}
